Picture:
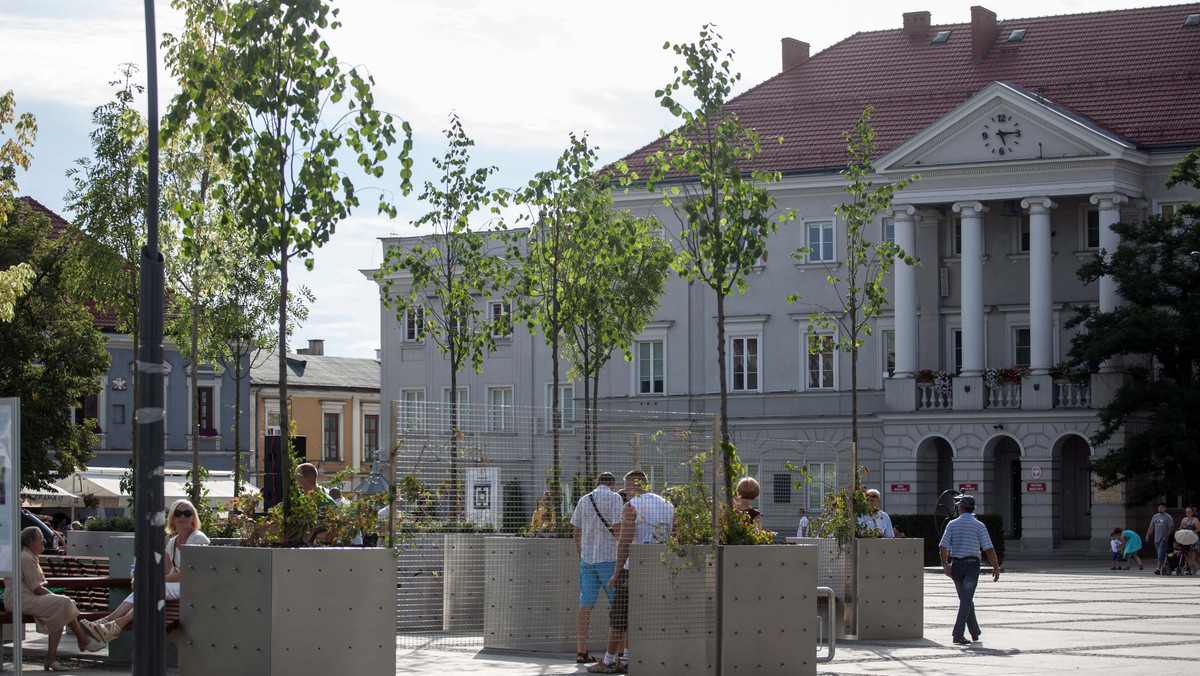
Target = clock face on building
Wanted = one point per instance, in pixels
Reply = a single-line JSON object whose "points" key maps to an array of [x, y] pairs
{"points": [[1001, 134]]}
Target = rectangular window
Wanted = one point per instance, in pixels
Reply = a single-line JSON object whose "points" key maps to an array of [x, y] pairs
{"points": [[743, 364], [650, 367], [500, 403], [1092, 230], [87, 408], [273, 421], [658, 478], [501, 318], [566, 406], [823, 482], [332, 436], [414, 324], [460, 410], [205, 408], [782, 488], [412, 410], [889, 354], [820, 240], [370, 435], [1021, 355], [820, 362], [956, 238], [1023, 235], [889, 230], [957, 354]]}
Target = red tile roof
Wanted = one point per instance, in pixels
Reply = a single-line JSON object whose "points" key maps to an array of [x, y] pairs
{"points": [[1134, 73]]}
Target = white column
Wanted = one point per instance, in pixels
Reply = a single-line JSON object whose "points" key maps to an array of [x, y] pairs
{"points": [[972, 286], [1041, 314], [1110, 214], [905, 301]]}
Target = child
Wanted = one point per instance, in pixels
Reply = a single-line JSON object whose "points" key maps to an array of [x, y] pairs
{"points": [[1117, 545]]}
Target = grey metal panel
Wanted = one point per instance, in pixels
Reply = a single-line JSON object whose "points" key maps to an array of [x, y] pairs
{"points": [[770, 610], [671, 607], [287, 611], [891, 589], [462, 604], [419, 583]]}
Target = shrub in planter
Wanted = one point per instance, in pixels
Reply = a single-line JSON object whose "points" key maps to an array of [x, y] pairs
{"points": [[118, 524]]}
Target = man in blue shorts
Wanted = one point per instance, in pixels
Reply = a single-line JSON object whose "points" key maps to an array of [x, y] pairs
{"points": [[596, 516]]}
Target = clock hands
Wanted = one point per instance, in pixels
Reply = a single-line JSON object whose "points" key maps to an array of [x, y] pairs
{"points": [[1001, 133]]}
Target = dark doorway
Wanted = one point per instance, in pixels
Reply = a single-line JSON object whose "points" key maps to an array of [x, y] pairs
{"points": [[945, 473], [1076, 490], [1006, 473]]}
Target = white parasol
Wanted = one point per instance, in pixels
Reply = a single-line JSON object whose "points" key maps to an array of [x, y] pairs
{"points": [[1186, 537]]}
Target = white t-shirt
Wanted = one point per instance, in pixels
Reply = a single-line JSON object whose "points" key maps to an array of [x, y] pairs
{"points": [[802, 530], [597, 544], [655, 519]]}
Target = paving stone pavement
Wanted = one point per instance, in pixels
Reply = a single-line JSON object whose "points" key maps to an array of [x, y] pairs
{"points": [[1044, 616]]}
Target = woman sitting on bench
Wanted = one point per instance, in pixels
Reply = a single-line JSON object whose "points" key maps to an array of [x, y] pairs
{"points": [[51, 612], [183, 524]]}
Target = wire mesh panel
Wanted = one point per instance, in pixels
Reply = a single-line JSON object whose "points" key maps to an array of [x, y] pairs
{"points": [[485, 555]]}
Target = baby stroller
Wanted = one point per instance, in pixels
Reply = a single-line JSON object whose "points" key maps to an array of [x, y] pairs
{"points": [[1176, 559]]}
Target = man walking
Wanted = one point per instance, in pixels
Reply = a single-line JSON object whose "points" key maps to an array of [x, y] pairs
{"points": [[594, 521], [965, 538], [646, 518], [1161, 525]]}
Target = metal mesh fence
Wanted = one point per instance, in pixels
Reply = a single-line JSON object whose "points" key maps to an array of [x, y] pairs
{"points": [[478, 565]]}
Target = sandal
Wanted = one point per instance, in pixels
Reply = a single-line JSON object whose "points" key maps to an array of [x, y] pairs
{"points": [[602, 668], [584, 658]]}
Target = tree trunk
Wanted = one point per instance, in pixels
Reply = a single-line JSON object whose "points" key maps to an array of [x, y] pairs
{"points": [[285, 422], [194, 490], [726, 448]]}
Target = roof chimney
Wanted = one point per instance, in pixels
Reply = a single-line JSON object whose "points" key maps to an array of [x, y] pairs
{"points": [[795, 53], [916, 23], [315, 348], [983, 32]]}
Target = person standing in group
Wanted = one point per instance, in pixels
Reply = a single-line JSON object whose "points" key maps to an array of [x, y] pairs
{"points": [[747, 492], [802, 529], [645, 519], [1161, 527], [965, 540], [1191, 522], [596, 545]]}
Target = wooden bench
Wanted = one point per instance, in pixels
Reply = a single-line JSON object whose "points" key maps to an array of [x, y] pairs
{"points": [[170, 608]]}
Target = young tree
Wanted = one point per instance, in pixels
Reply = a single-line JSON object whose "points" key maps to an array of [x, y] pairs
{"points": [[14, 154], [1156, 269], [53, 356], [621, 264], [293, 110], [454, 264], [108, 201], [559, 201], [720, 199], [861, 295]]}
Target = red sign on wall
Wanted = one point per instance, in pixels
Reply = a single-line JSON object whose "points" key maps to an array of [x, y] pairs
{"points": [[963, 488], [899, 488], [1035, 487]]}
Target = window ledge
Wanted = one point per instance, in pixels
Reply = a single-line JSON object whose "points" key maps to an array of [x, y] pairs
{"points": [[825, 266], [1085, 254]]}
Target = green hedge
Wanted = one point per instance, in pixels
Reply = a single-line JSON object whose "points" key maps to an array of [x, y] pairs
{"points": [[119, 524], [928, 526]]}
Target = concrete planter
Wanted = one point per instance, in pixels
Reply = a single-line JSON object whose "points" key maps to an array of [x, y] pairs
{"points": [[769, 610], [531, 596], [420, 567], [890, 583], [256, 611], [90, 542], [463, 596]]}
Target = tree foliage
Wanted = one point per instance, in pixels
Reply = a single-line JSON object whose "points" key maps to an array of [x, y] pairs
{"points": [[455, 264], [292, 111], [619, 267], [705, 172], [53, 356], [559, 201], [1156, 269]]}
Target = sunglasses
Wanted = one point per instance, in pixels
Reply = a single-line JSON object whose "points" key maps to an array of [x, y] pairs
{"points": [[183, 512]]}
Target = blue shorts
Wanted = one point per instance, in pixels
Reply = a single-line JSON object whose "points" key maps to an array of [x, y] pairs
{"points": [[1162, 546], [592, 578]]}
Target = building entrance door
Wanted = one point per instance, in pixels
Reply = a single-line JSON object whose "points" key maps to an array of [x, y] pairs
{"points": [[1076, 490], [1006, 473]]}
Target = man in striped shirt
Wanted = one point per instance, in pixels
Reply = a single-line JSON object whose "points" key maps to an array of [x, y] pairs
{"points": [[962, 543]]}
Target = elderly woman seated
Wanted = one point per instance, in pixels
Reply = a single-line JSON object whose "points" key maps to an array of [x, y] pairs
{"points": [[51, 612]]}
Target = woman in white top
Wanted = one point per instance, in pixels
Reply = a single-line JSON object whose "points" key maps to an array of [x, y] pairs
{"points": [[183, 525]]}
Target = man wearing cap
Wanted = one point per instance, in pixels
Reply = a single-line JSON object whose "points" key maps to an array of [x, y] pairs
{"points": [[965, 538]]}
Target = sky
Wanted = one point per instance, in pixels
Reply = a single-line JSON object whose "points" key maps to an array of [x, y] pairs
{"points": [[520, 74]]}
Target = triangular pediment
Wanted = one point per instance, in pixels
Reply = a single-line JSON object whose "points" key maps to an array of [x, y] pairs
{"points": [[1002, 124]]}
